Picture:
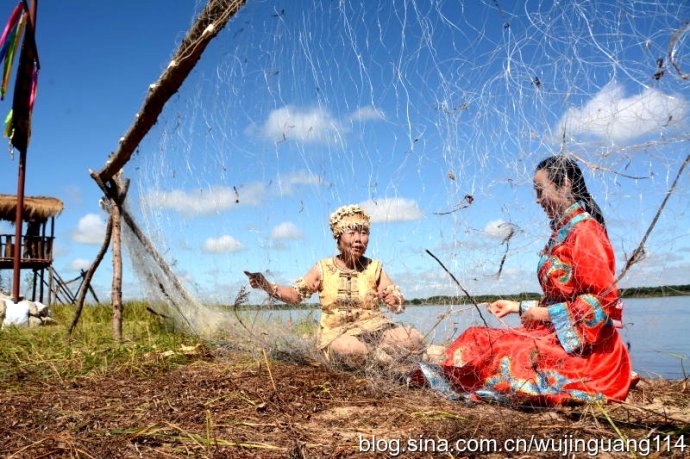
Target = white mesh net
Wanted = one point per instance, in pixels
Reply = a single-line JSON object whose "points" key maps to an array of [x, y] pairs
{"points": [[433, 116]]}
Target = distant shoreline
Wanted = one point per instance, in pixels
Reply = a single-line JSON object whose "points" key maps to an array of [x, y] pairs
{"points": [[633, 292]]}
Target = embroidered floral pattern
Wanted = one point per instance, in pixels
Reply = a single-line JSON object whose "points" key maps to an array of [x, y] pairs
{"points": [[558, 270]]}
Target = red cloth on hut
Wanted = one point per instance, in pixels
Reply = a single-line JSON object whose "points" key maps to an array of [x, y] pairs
{"points": [[579, 356]]}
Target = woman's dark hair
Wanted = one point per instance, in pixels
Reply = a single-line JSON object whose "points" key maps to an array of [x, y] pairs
{"points": [[559, 168]]}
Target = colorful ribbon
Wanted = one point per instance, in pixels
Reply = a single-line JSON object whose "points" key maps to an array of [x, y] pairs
{"points": [[9, 42], [18, 120], [12, 44], [11, 24]]}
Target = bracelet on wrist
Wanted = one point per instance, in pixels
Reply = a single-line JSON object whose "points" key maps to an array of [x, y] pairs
{"points": [[525, 305]]}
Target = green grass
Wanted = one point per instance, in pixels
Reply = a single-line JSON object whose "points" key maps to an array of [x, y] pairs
{"points": [[47, 353], [307, 326]]}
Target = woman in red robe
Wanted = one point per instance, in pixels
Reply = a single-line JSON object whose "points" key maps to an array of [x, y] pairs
{"points": [[568, 348]]}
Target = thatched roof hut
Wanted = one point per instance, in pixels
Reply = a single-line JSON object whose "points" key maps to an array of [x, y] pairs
{"points": [[39, 208]]}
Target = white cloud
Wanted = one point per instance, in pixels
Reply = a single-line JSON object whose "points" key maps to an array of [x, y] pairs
{"points": [[499, 229], [392, 210], [80, 263], [90, 230], [367, 113], [314, 125], [610, 115], [205, 201], [223, 244], [286, 230], [275, 245], [287, 182], [305, 125]]}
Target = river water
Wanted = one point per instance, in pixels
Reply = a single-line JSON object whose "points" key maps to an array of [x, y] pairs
{"points": [[657, 330]]}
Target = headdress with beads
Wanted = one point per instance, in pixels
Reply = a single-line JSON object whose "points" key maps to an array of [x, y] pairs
{"points": [[347, 217]]}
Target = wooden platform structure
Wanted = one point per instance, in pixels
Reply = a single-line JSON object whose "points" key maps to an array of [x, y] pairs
{"points": [[37, 239]]}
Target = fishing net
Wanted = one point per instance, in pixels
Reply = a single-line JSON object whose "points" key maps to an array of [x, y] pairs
{"points": [[432, 115]]}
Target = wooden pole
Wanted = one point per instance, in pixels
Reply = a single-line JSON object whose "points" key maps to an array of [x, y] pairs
{"points": [[19, 220], [50, 284], [81, 296], [116, 295], [82, 277], [61, 286], [116, 240], [40, 293], [28, 47], [212, 20], [33, 287]]}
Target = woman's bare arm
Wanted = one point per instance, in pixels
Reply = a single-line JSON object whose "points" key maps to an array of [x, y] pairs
{"points": [[285, 293]]}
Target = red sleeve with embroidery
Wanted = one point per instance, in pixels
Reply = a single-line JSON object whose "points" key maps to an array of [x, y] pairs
{"points": [[578, 282]]}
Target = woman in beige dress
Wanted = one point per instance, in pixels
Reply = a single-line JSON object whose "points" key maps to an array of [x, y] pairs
{"points": [[352, 288]]}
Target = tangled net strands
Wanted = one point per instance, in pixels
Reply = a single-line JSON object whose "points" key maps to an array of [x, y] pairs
{"points": [[411, 109]]}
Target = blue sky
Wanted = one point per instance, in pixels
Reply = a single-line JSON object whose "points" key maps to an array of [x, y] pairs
{"points": [[404, 107]]}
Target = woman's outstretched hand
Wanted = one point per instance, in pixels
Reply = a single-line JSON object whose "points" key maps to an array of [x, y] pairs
{"points": [[392, 297], [258, 280], [502, 308]]}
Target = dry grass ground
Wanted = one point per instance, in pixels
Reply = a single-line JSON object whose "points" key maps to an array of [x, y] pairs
{"points": [[224, 405], [189, 399]]}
